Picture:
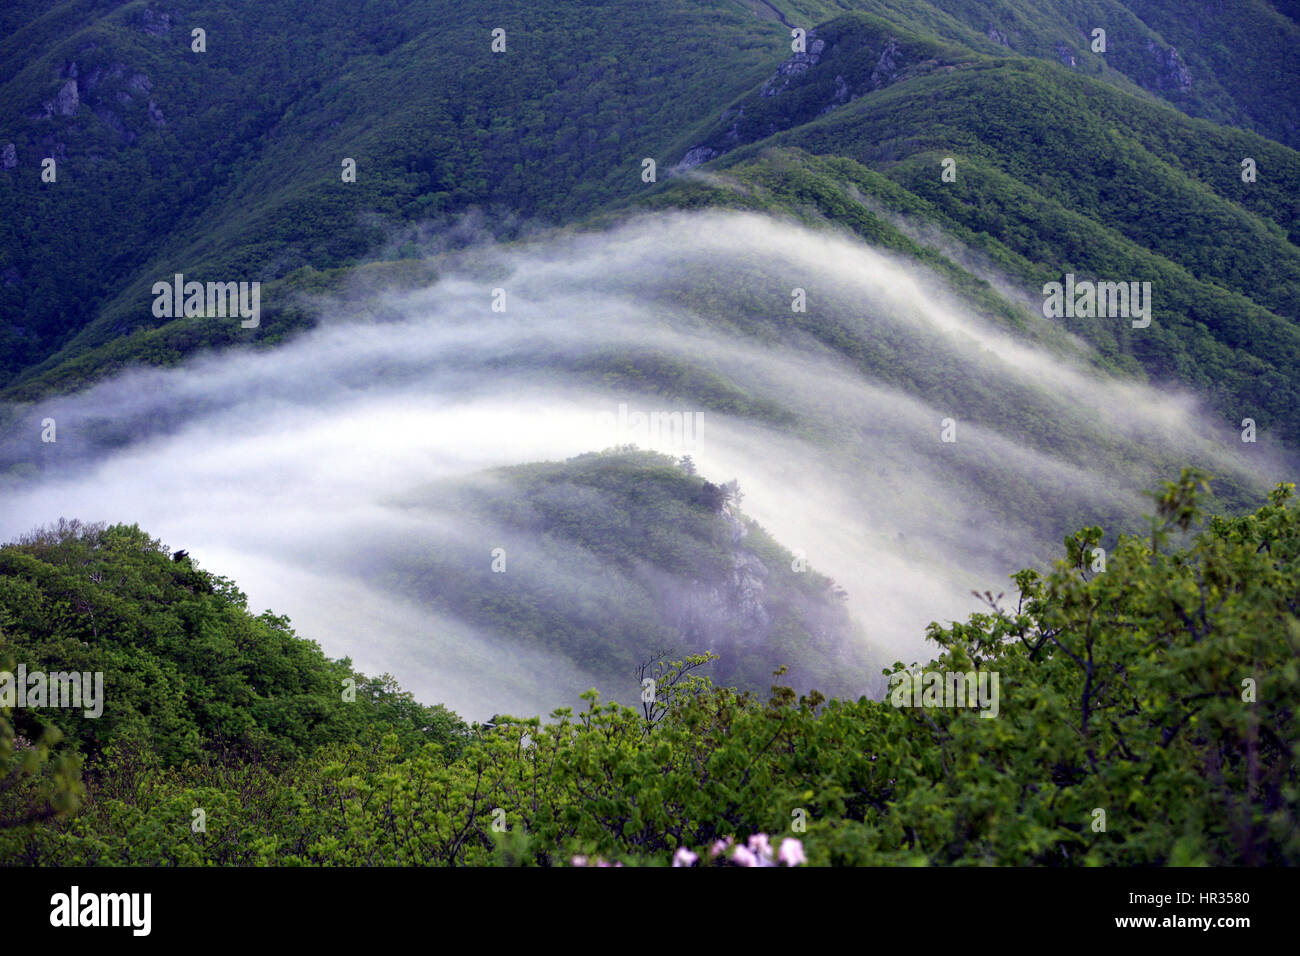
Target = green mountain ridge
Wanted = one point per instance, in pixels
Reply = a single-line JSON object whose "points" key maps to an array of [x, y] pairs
{"points": [[870, 782], [976, 150], [270, 209], [608, 555]]}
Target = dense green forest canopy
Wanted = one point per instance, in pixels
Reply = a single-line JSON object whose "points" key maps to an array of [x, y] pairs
{"points": [[1146, 716], [226, 164], [1145, 699]]}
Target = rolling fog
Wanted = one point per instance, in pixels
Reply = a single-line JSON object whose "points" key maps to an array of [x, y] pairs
{"points": [[285, 469]]}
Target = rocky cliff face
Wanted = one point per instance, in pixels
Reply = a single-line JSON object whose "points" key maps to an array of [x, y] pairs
{"points": [[793, 67], [713, 615], [67, 100], [749, 612], [841, 61], [113, 93], [1171, 74]]}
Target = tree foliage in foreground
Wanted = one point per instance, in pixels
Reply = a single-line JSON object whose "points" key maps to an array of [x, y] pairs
{"points": [[1146, 716]]}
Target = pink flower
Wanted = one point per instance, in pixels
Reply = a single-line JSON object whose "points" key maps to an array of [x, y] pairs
{"points": [[792, 852], [719, 847], [742, 856], [760, 845], [684, 857], [579, 861]]}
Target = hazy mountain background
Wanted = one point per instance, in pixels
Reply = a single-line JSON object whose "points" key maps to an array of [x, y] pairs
{"points": [[355, 460]]}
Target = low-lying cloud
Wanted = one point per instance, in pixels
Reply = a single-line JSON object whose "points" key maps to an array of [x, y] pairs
{"points": [[284, 469]]}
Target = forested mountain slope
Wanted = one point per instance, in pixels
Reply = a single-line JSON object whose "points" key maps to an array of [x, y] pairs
{"points": [[1175, 730], [227, 163], [511, 257]]}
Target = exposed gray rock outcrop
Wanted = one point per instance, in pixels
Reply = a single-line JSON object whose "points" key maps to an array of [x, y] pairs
{"points": [[1172, 73], [66, 103], [798, 63], [887, 66], [716, 615], [696, 155]]}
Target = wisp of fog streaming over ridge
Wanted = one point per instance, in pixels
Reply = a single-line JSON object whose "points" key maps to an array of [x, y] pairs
{"points": [[286, 469]]}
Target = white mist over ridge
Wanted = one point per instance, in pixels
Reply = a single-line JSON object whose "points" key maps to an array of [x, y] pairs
{"points": [[275, 467]]}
